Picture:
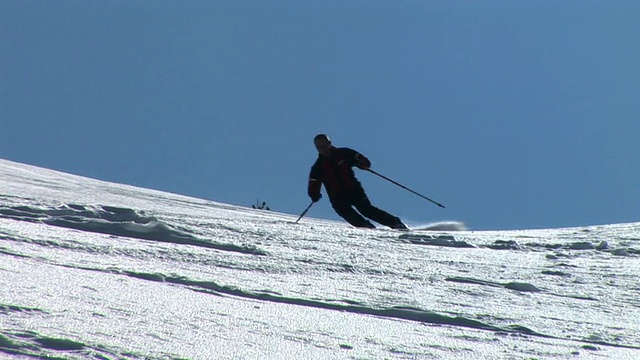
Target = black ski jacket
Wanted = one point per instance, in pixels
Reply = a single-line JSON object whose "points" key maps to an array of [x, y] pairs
{"points": [[336, 173]]}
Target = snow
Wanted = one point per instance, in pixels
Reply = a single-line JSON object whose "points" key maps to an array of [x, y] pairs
{"points": [[96, 270]]}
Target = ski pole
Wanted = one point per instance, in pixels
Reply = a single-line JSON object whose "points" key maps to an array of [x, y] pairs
{"points": [[304, 212], [406, 188]]}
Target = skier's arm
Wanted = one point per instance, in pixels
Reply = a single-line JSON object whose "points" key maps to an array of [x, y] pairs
{"points": [[362, 162], [315, 183], [357, 159]]}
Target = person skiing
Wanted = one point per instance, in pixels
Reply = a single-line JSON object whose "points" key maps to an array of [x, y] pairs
{"points": [[333, 168]]}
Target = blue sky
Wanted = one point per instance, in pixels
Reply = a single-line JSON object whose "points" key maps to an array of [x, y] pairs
{"points": [[512, 114]]}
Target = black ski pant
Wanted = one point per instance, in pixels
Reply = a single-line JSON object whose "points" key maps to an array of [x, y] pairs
{"points": [[343, 204]]}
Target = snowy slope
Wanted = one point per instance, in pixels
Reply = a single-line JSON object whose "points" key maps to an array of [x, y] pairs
{"points": [[96, 270]]}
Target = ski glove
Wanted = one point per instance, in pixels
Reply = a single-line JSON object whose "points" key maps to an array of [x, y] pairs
{"points": [[362, 162], [315, 197]]}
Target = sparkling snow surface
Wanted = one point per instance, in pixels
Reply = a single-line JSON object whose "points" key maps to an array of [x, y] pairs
{"points": [[96, 270]]}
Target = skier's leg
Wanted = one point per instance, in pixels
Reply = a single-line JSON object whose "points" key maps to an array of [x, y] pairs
{"points": [[346, 211], [364, 206]]}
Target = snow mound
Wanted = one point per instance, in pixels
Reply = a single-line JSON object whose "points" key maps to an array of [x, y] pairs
{"points": [[115, 221]]}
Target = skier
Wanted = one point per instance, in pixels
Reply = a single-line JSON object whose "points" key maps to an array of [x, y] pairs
{"points": [[334, 169]]}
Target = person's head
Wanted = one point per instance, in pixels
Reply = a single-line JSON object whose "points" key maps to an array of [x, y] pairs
{"points": [[323, 144]]}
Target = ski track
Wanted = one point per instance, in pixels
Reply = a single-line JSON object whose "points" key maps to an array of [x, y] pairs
{"points": [[570, 291]]}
